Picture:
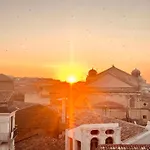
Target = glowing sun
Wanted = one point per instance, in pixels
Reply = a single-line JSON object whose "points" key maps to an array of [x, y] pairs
{"points": [[71, 79]]}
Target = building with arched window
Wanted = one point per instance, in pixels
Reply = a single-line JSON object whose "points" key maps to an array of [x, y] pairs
{"points": [[109, 140], [94, 143], [89, 129]]}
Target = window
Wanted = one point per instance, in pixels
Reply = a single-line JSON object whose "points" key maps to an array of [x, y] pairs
{"points": [[94, 132], [145, 104], [70, 142], [110, 131], [78, 145], [109, 140], [144, 117], [94, 144]]}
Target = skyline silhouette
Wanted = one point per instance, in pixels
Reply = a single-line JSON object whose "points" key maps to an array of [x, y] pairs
{"points": [[59, 38]]}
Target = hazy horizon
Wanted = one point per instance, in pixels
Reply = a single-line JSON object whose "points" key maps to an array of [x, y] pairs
{"points": [[54, 39]]}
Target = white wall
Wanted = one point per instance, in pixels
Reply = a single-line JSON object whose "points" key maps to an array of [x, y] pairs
{"points": [[4, 123], [5, 130], [4, 147], [76, 133], [7, 147], [36, 98], [83, 134]]}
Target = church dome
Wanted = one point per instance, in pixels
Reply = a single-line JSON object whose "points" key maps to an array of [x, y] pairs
{"points": [[136, 73], [92, 72]]}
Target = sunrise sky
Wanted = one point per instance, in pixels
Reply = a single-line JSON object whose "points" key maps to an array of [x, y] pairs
{"points": [[56, 38]]}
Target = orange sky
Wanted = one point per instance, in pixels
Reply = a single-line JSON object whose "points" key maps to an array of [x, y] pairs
{"points": [[59, 38]]}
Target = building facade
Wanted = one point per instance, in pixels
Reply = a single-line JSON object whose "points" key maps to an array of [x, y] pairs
{"points": [[128, 93], [8, 130], [90, 129]]}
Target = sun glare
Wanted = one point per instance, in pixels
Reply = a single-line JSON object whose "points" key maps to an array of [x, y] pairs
{"points": [[71, 79], [70, 72]]}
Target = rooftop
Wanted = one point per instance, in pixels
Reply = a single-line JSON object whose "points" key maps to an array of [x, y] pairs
{"points": [[5, 78], [86, 116], [34, 120], [5, 95], [6, 109], [40, 142], [6, 101], [120, 74], [124, 147]]}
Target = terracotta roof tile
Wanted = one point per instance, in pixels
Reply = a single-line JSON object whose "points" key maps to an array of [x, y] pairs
{"points": [[39, 142], [33, 119], [23, 105], [36, 126], [6, 102], [5, 95], [7, 109], [124, 147]]}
